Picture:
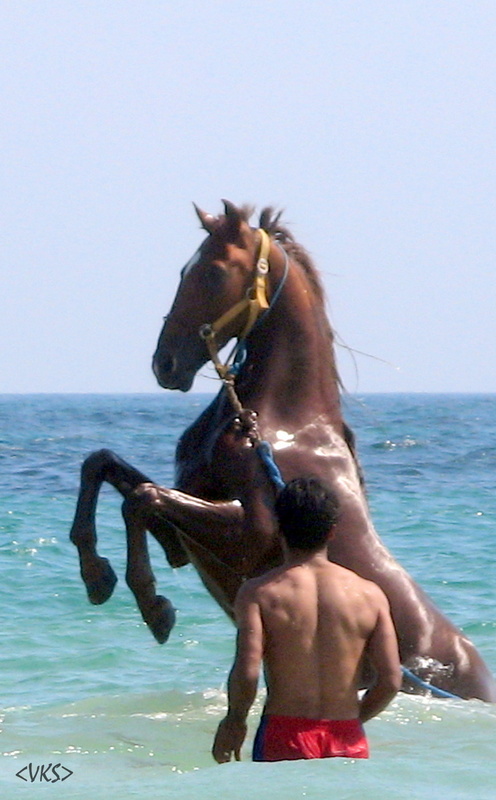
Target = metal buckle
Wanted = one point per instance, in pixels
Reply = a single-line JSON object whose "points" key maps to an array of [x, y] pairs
{"points": [[262, 266], [205, 331]]}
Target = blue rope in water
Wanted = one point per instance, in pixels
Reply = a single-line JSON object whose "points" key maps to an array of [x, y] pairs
{"points": [[433, 689], [265, 451]]}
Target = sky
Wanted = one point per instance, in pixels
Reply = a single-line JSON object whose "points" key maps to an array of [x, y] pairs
{"points": [[372, 124]]}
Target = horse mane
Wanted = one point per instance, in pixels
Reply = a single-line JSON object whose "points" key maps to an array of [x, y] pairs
{"points": [[270, 222]]}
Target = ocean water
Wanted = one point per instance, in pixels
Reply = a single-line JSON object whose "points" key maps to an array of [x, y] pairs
{"points": [[89, 689]]}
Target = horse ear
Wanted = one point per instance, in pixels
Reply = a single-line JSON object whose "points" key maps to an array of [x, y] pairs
{"points": [[232, 211], [234, 217], [208, 221]]}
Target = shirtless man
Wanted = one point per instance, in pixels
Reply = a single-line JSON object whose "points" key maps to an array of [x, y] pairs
{"points": [[312, 623]]}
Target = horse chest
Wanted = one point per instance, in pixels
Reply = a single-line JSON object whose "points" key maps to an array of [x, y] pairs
{"points": [[206, 462]]}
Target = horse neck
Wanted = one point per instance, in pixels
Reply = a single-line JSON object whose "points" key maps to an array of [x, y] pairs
{"points": [[290, 356]]}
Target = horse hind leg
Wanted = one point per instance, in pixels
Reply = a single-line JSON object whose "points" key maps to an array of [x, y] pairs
{"points": [[157, 611], [96, 571]]}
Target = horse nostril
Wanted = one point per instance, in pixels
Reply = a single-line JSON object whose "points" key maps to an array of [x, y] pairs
{"points": [[166, 365]]}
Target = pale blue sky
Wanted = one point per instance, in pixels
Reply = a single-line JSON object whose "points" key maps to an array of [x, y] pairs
{"points": [[373, 124]]}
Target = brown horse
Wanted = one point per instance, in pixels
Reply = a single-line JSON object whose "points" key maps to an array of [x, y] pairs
{"points": [[259, 287]]}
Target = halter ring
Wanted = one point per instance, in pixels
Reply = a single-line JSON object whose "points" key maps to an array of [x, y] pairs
{"points": [[205, 331]]}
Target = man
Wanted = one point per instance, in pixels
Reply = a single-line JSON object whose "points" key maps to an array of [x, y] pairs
{"points": [[313, 623]]}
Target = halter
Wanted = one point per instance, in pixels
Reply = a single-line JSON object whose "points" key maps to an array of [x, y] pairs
{"points": [[255, 301]]}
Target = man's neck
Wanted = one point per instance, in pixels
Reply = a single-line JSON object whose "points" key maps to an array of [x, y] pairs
{"points": [[294, 557]]}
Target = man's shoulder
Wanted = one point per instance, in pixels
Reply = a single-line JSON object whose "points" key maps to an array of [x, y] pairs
{"points": [[254, 586], [376, 598], [363, 585]]}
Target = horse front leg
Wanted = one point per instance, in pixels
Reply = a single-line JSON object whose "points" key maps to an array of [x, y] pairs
{"points": [[157, 611], [213, 533], [227, 541], [96, 571]]}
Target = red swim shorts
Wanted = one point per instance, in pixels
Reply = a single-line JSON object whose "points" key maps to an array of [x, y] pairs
{"points": [[281, 738]]}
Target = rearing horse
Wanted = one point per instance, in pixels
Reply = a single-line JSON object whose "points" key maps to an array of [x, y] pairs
{"points": [[259, 287]]}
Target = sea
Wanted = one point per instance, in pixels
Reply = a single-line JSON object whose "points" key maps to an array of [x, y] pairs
{"points": [[92, 707]]}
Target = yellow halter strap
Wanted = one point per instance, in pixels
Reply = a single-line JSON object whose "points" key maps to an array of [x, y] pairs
{"points": [[255, 301]]}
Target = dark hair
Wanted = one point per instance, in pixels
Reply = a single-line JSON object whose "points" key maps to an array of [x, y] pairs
{"points": [[307, 510]]}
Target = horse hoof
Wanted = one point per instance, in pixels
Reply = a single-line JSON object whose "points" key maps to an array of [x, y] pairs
{"points": [[162, 619], [101, 589]]}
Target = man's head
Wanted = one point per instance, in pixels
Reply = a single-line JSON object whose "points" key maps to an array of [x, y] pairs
{"points": [[306, 510]]}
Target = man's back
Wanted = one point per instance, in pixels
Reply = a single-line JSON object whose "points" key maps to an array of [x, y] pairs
{"points": [[317, 620], [312, 623]]}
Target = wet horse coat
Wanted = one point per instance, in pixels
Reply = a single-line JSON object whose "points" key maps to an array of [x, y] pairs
{"points": [[283, 389]]}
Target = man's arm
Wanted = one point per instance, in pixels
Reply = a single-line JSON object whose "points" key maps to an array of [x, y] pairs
{"points": [[382, 651], [243, 678]]}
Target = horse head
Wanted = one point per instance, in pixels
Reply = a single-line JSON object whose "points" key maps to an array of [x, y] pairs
{"points": [[212, 298]]}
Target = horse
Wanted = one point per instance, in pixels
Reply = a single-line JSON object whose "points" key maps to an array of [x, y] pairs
{"points": [[276, 416]]}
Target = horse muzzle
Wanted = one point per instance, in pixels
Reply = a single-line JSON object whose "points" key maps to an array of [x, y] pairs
{"points": [[170, 376]]}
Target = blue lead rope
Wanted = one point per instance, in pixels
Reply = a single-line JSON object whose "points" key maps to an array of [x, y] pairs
{"points": [[265, 452]]}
